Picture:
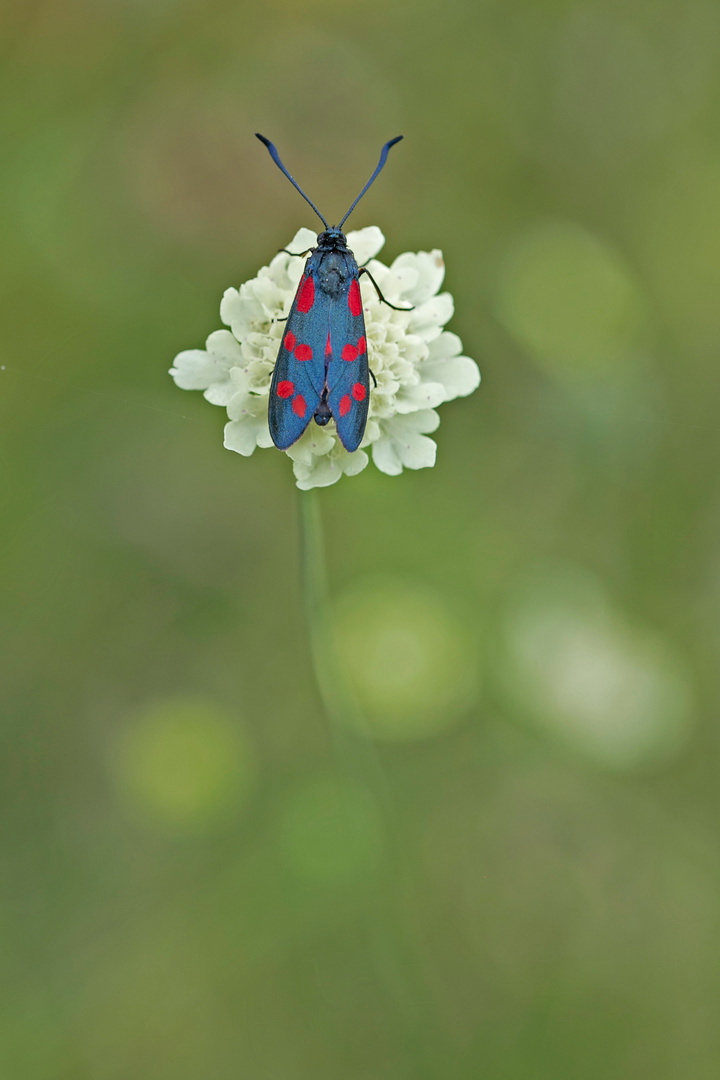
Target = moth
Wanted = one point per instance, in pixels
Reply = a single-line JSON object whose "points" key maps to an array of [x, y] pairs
{"points": [[322, 370]]}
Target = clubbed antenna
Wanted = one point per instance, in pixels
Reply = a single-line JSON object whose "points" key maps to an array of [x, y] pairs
{"points": [[276, 158], [383, 158]]}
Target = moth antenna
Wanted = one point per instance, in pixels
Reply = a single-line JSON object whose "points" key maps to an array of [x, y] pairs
{"points": [[383, 158], [276, 158]]}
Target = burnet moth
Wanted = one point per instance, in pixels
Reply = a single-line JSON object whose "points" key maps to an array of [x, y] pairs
{"points": [[322, 369]]}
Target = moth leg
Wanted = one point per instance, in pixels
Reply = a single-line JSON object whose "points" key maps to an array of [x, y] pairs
{"points": [[364, 270], [373, 377], [299, 254]]}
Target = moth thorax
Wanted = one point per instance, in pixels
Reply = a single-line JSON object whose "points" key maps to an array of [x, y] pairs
{"points": [[332, 281]]}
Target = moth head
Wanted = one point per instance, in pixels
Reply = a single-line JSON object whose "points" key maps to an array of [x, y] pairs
{"points": [[333, 238]]}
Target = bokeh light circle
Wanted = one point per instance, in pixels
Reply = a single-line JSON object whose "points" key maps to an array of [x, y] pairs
{"points": [[183, 763], [407, 655], [571, 301], [573, 664]]}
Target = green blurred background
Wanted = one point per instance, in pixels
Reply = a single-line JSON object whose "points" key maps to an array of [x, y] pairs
{"points": [[519, 878]]}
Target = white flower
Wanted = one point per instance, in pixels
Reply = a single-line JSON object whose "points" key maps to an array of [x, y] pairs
{"points": [[417, 364]]}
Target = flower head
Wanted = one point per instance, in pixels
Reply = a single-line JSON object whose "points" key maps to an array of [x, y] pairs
{"points": [[416, 363]]}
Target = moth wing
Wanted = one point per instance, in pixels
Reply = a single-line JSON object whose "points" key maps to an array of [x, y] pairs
{"points": [[348, 371], [299, 375]]}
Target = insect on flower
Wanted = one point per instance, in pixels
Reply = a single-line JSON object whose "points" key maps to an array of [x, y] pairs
{"points": [[417, 364], [322, 369]]}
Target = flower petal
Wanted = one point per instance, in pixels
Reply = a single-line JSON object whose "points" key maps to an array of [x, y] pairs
{"points": [[397, 282], [365, 243], [459, 376], [248, 411], [426, 395], [352, 464], [242, 311], [249, 426], [327, 470], [221, 393], [403, 444], [427, 320], [195, 369], [385, 457], [430, 269], [302, 241], [321, 472], [277, 271], [266, 291], [448, 344], [224, 348], [372, 432], [210, 369], [313, 443]]}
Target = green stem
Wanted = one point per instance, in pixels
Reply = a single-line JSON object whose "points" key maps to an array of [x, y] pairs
{"points": [[349, 728], [397, 938], [339, 703]]}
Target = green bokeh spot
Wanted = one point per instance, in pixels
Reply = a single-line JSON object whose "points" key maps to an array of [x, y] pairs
{"points": [[571, 301], [184, 762], [407, 656]]}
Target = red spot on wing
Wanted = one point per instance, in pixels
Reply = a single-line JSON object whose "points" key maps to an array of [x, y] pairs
{"points": [[285, 388], [354, 298], [298, 406], [303, 352], [362, 345], [349, 353], [306, 296], [328, 347], [289, 341], [345, 404], [358, 391]]}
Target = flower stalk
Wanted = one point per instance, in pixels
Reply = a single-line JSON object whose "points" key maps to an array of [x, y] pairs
{"points": [[336, 698], [392, 926], [349, 728]]}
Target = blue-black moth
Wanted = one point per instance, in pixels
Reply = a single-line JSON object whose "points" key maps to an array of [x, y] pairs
{"points": [[322, 369]]}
